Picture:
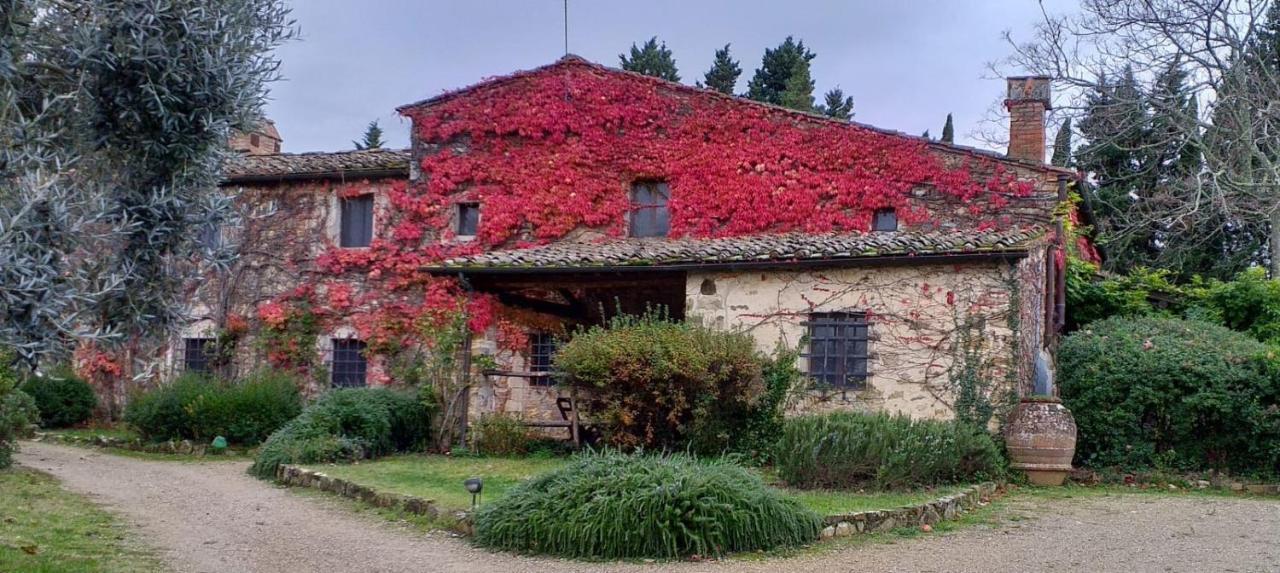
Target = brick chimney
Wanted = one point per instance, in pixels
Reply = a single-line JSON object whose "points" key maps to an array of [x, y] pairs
{"points": [[1027, 102], [264, 140]]}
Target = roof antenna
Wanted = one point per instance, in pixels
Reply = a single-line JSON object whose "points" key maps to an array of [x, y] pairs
{"points": [[566, 27]]}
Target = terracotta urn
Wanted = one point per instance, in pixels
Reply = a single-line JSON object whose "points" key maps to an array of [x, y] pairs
{"points": [[1041, 440]]}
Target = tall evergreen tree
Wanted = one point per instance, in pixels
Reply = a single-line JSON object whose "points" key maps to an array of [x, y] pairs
{"points": [[799, 92], [652, 59], [948, 131], [770, 79], [837, 105], [1062, 145], [372, 138], [724, 72], [926, 134]]}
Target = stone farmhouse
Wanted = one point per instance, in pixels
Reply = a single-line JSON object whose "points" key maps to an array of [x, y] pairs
{"points": [[906, 272]]}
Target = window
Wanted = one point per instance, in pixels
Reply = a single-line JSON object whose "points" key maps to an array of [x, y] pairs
{"points": [[542, 349], [254, 140], [210, 237], [195, 357], [649, 214], [349, 364], [357, 221], [885, 220], [838, 349], [468, 219]]}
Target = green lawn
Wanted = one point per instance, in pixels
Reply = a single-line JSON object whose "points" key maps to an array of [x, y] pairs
{"points": [[440, 478], [46, 529], [120, 432], [835, 502]]}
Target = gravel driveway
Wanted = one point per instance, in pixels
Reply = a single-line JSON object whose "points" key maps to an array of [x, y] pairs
{"points": [[212, 517]]}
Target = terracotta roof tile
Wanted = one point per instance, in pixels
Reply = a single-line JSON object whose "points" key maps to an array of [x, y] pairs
{"points": [[791, 247], [318, 165]]}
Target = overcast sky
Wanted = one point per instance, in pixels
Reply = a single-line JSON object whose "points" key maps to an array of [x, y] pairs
{"points": [[907, 63]]}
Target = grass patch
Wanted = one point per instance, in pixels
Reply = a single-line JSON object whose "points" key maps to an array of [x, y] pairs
{"points": [[440, 477], [46, 529], [835, 502], [117, 432]]}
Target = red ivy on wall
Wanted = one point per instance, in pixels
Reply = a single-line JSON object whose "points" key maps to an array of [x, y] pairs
{"points": [[555, 150]]}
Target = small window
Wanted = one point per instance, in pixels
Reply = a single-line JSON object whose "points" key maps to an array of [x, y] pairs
{"points": [[542, 352], [468, 219], [649, 214], [195, 355], [275, 147], [885, 220], [349, 364], [254, 140], [210, 237], [838, 349], [357, 221]]}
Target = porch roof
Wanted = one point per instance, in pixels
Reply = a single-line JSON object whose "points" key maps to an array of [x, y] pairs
{"points": [[775, 249]]}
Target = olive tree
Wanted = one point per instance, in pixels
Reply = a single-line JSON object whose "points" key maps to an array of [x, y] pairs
{"points": [[114, 118]]}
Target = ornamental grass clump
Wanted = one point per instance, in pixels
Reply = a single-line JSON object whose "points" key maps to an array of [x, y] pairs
{"points": [[855, 450], [618, 506]]}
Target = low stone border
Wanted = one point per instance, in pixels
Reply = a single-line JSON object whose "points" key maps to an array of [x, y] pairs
{"points": [[179, 447], [941, 509], [294, 476]]}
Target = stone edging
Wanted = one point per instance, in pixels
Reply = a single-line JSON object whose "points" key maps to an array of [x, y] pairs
{"points": [[294, 476], [179, 447], [941, 509]]}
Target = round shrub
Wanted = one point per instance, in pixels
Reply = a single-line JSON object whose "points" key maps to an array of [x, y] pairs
{"points": [[197, 407], [660, 384], [499, 435], [617, 506], [63, 398], [853, 450], [345, 425], [1175, 394]]}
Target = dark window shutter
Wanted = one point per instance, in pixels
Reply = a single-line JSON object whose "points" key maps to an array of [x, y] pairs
{"points": [[468, 218], [885, 220], [349, 364], [195, 357], [650, 216], [357, 221]]}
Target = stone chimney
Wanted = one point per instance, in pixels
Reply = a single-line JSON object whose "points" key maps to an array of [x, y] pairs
{"points": [[265, 140], [1027, 102]]}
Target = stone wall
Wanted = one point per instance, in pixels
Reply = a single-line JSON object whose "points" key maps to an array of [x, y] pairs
{"points": [[916, 315]]}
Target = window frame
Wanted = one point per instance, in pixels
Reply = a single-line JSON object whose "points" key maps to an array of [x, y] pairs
{"points": [[348, 238], [878, 220], [343, 368], [542, 352], [198, 345], [834, 358], [461, 218], [658, 207]]}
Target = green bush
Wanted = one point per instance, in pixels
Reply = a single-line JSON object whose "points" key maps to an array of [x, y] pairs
{"points": [[499, 435], [199, 408], [660, 384], [17, 411], [616, 506], [1176, 394], [63, 398], [345, 425], [854, 450]]}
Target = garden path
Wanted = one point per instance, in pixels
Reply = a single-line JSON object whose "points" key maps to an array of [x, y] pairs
{"points": [[213, 517]]}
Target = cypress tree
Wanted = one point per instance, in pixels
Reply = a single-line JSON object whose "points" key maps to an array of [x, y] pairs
{"points": [[948, 131], [372, 138], [1062, 145], [724, 72], [837, 105], [799, 92], [770, 79], [653, 59]]}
